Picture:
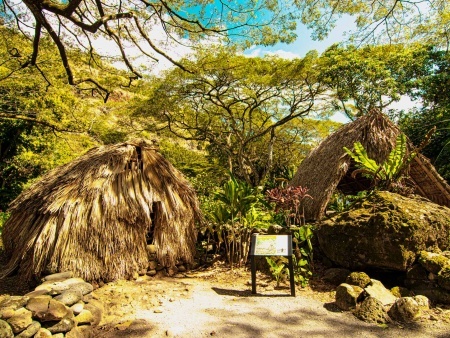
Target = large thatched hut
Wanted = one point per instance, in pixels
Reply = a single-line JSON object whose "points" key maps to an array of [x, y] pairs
{"points": [[93, 216], [328, 167]]}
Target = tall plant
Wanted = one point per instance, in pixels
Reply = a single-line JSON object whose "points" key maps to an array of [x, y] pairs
{"points": [[235, 215], [390, 174], [289, 202]]}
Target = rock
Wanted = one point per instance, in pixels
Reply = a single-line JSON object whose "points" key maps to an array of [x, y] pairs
{"points": [[14, 302], [436, 294], [96, 309], [77, 308], [58, 276], [444, 278], [152, 265], [36, 293], [377, 290], [69, 297], [30, 331], [347, 296], [6, 312], [416, 276], [372, 310], [400, 291], [82, 287], [151, 249], [58, 335], [64, 325], [433, 262], [336, 276], [385, 230], [85, 317], [57, 287], [172, 270], [422, 301], [360, 279], [43, 333], [47, 309], [151, 272], [405, 309], [181, 268], [20, 320], [5, 330], [83, 331]]}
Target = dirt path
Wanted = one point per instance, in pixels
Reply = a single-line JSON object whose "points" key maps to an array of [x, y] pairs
{"points": [[198, 307]]}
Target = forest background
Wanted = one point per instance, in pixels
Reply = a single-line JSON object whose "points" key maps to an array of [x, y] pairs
{"points": [[217, 110]]}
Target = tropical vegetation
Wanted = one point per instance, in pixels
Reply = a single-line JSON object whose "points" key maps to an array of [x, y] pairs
{"points": [[237, 126]]}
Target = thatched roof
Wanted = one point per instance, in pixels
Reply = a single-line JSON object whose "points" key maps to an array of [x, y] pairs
{"points": [[91, 216], [328, 167]]}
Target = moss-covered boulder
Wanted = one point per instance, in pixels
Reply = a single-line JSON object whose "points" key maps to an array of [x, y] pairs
{"points": [[360, 279], [444, 278], [433, 262], [385, 230]]}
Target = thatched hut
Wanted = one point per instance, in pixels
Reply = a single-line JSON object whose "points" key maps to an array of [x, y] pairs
{"points": [[92, 216], [328, 167]]}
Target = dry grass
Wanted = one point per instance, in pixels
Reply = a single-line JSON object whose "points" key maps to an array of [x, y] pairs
{"points": [[91, 216], [328, 166]]}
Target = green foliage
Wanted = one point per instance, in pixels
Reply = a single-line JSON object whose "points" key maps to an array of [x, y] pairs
{"points": [[372, 77], [278, 268], [303, 254], [390, 174], [432, 89], [246, 111], [234, 213], [3, 218], [340, 202]]}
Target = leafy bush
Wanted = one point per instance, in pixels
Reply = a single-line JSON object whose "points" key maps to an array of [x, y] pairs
{"points": [[3, 218], [389, 175], [236, 210], [340, 202], [289, 203]]}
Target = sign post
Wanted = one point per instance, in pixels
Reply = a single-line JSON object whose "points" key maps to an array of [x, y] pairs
{"points": [[272, 245]]}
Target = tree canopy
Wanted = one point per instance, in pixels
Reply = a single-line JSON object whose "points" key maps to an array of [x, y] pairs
{"points": [[233, 102], [145, 27]]}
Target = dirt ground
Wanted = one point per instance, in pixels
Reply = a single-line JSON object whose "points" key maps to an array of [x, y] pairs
{"points": [[218, 302]]}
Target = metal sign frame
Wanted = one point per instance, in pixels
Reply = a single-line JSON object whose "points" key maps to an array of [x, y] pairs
{"points": [[272, 245]]}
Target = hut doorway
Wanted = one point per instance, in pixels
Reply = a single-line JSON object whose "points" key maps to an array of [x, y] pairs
{"points": [[155, 210]]}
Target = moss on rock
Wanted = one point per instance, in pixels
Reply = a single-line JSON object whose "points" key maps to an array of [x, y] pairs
{"points": [[385, 230], [444, 278], [433, 262], [360, 279]]}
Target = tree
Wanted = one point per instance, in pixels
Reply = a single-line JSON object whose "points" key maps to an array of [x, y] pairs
{"points": [[432, 90], [387, 21], [371, 77], [235, 104], [134, 25]]}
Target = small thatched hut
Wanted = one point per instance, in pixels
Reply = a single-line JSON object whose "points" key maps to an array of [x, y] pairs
{"points": [[92, 216], [328, 167]]}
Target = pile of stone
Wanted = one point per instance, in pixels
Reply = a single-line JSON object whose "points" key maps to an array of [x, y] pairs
{"points": [[62, 306], [154, 267], [430, 276], [371, 301]]}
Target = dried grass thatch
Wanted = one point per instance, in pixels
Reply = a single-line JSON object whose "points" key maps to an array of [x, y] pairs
{"points": [[328, 167], [92, 215]]}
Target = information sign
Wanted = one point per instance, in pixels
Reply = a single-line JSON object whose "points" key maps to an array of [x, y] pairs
{"points": [[272, 245]]}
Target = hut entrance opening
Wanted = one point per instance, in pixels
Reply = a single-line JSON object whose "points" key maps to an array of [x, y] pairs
{"points": [[155, 210], [351, 186]]}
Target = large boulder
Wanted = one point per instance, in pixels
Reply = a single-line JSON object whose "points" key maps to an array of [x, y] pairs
{"points": [[385, 230]]}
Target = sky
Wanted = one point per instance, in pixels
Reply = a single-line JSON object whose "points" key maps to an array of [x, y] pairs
{"points": [[304, 43]]}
